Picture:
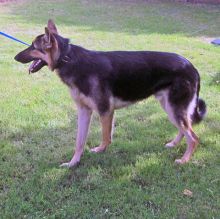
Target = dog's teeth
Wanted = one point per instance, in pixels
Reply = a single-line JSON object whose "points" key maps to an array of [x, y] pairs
{"points": [[36, 63]]}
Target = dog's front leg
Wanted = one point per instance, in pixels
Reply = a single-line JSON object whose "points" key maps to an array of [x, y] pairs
{"points": [[84, 117], [106, 123]]}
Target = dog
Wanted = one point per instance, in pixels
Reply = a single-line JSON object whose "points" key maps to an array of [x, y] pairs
{"points": [[104, 81]]}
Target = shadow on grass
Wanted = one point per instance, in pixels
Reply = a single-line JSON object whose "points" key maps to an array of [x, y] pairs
{"points": [[131, 167], [45, 149]]}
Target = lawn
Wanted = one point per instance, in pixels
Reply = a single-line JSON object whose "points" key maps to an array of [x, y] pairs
{"points": [[136, 177]]}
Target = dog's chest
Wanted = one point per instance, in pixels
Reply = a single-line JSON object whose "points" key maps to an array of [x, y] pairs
{"points": [[82, 99]]}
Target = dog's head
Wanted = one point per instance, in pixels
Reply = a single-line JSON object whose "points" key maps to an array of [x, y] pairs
{"points": [[44, 50]]}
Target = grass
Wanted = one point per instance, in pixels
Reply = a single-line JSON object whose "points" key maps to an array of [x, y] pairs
{"points": [[136, 177]]}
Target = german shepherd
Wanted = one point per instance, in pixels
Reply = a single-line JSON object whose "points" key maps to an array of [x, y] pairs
{"points": [[105, 81]]}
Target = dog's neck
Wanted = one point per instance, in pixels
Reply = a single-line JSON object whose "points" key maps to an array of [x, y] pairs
{"points": [[64, 57], [70, 55], [71, 60]]}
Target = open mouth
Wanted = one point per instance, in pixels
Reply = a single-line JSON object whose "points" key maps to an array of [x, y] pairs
{"points": [[36, 65]]}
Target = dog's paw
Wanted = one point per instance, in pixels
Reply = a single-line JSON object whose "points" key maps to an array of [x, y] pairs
{"points": [[65, 165], [98, 149], [170, 144], [180, 161], [69, 165]]}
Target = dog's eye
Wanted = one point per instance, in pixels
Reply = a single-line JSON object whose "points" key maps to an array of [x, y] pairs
{"points": [[39, 49]]}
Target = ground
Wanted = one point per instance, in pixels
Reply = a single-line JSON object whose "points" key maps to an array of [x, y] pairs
{"points": [[136, 177]]}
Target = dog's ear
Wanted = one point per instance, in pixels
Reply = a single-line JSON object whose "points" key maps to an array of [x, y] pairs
{"points": [[48, 39], [52, 27], [51, 46]]}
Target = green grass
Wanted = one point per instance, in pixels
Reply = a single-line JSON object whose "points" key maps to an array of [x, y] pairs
{"points": [[136, 177]]}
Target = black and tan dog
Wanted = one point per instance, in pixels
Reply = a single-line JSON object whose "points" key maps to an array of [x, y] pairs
{"points": [[105, 81]]}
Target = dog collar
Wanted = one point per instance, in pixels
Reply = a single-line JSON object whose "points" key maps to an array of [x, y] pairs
{"points": [[65, 57]]}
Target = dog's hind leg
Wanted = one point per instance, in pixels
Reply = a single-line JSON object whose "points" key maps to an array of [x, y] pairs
{"points": [[162, 97], [181, 119], [185, 125], [171, 116], [175, 141], [84, 117], [107, 127], [191, 140], [183, 105]]}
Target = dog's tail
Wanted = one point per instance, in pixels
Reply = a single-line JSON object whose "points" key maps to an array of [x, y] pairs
{"points": [[199, 112], [200, 109]]}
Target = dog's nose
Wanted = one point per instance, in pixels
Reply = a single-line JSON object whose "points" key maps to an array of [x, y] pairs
{"points": [[17, 57]]}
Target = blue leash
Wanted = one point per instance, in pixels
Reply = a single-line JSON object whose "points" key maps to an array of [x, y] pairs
{"points": [[12, 38]]}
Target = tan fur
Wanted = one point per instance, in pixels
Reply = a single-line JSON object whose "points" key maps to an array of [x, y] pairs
{"points": [[106, 123], [54, 53], [84, 117], [81, 99], [46, 57]]}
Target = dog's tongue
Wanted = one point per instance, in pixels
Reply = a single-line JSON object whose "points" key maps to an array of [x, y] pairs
{"points": [[33, 66]]}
